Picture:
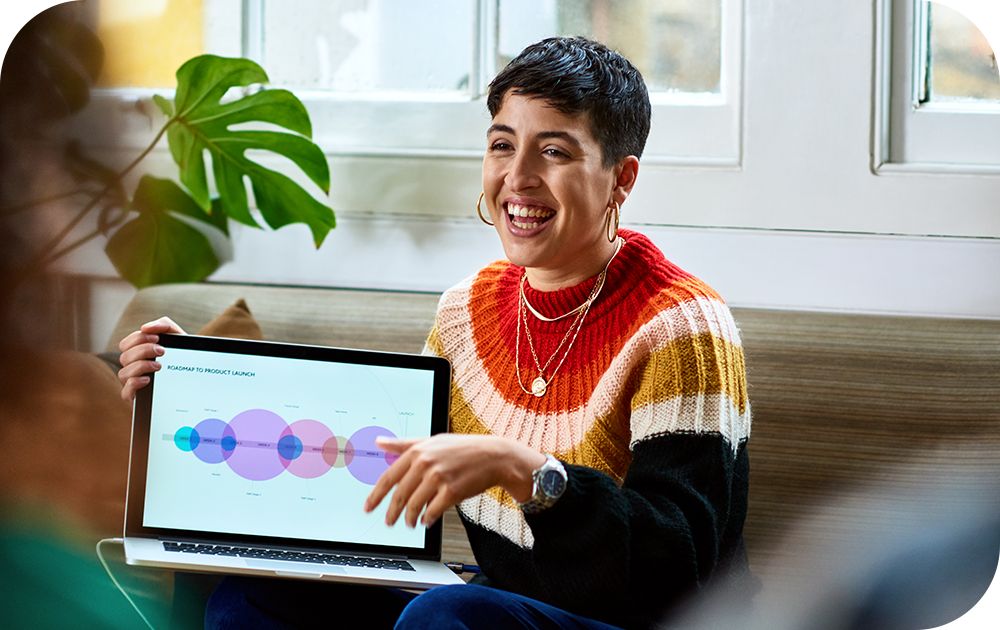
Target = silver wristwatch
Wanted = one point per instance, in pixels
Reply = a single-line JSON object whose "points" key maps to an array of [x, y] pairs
{"points": [[548, 483]]}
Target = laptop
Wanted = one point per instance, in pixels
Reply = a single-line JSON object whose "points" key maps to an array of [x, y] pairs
{"points": [[255, 458]]}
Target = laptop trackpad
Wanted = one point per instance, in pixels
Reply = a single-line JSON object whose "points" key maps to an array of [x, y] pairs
{"points": [[284, 567]]}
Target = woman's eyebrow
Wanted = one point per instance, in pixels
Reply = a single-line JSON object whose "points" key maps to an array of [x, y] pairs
{"points": [[560, 135], [542, 135]]}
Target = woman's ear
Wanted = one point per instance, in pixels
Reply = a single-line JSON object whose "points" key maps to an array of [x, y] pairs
{"points": [[626, 173]]}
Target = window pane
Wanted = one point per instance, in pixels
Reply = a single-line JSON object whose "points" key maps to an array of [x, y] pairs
{"points": [[676, 44], [962, 64], [145, 42], [369, 45]]}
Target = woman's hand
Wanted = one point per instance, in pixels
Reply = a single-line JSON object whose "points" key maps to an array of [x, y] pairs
{"points": [[139, 352], [436, 473]]}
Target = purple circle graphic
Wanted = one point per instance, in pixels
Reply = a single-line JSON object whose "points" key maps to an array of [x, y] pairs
{"points": [[211, 433], [368, 461], [315, 437], [256, 456]]}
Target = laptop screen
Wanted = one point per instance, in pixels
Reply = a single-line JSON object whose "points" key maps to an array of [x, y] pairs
{"points": [[276, 441]]}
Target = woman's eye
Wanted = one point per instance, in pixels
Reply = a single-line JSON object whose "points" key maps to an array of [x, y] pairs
{"points": [[555, 153], [500, 146]]}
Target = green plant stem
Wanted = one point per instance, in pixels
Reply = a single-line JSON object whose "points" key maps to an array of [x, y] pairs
{"points": [[68, 248], [83, 239], [40, 202], [46, 255]]}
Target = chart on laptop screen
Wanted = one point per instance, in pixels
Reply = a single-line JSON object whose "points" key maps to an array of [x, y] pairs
{"points": [[278, 447]]}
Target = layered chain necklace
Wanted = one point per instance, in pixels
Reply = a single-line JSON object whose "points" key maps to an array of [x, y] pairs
{"points": [[541, 384]]}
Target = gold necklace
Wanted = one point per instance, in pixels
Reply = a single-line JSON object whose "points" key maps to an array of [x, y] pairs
{"points": [[619, 243], [540, 384], [538, 315]]}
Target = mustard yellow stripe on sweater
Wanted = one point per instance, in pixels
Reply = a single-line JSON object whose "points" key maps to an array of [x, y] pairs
{"points": [[667, 373]]}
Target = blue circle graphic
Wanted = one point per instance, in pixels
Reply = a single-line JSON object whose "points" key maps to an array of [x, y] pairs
{"points": [[228, 443], [187, 439], [289, 447]]}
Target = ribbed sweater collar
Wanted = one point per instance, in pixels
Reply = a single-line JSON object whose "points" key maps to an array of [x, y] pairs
{"points": [[637, 258]]}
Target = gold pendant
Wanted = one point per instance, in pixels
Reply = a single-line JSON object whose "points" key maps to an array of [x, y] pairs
{"points": [[538, 386]]}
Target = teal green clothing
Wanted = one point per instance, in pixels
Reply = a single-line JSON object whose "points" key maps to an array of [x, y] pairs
{"points": [[49, 582]]}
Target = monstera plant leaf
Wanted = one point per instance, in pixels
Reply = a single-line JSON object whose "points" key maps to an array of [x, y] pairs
{"points": [[200, 124], [157, 246]]}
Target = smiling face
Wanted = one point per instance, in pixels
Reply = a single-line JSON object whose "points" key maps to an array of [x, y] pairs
{"points": [[548, 192]]}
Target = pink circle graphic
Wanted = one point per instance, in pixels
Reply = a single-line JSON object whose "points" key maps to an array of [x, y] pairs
{"points": [[256, 456], [368, 462], [316, 438]]}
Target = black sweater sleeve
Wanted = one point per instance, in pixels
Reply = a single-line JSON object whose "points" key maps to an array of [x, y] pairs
{"points": [[626, 554]]}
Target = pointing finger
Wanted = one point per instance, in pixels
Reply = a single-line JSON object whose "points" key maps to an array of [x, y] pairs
{"points": [[389, 478], [395, 445]]}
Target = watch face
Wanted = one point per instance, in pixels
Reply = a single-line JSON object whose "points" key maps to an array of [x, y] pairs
{"points": [[553, 483]]}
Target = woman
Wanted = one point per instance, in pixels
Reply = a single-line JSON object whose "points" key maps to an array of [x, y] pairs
{"points": [[599, 413]]}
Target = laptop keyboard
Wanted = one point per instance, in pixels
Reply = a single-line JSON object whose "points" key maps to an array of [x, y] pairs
{"points": [[295, 556]]}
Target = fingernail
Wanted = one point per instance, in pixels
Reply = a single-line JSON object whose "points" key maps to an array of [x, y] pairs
{"points": [[156, 366], [152, 338], [159, 349]]}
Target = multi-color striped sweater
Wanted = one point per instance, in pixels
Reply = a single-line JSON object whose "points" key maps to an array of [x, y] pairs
{"points": [[649, 414]]}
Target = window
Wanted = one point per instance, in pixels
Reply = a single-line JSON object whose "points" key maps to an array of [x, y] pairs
{"points": [[393, 50], [676, 44], [961, 66], [939, 87], [387, 79], [381, 46], [148, 40]]}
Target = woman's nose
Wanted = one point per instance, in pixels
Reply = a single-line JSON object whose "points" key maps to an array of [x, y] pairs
{"points": [[522, 173]]}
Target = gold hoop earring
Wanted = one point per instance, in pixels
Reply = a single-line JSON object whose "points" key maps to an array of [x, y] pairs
{"points": [[612, 234], [479, 210]]}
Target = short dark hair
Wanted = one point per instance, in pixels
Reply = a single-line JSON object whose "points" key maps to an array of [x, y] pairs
{"points": [[577, 75]]}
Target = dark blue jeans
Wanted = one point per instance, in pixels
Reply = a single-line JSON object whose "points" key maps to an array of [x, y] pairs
{"points": [[263, 603]]}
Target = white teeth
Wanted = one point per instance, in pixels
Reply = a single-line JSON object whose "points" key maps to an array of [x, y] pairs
{"points": [[515, 210]]}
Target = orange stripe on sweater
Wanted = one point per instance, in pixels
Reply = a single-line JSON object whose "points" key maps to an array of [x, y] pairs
{"points": [[494, 334]]}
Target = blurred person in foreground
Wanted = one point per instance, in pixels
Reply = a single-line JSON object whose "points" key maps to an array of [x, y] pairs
{"points": [[64, 430], [906, 551], [599, 415]]}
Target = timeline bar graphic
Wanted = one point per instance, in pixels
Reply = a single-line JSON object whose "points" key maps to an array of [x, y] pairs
{"points": [[258, 445]]}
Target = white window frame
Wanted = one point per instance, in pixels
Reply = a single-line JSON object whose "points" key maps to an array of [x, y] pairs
{"points": [[913, 136], [701, 130]]}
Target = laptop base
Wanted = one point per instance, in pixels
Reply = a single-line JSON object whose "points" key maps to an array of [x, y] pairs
{"points": [[426, 574]]}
